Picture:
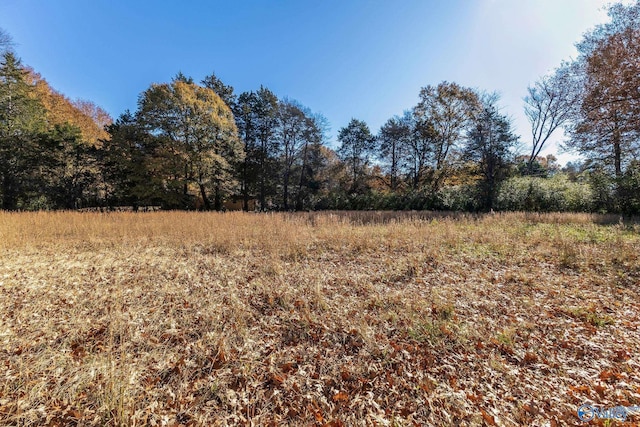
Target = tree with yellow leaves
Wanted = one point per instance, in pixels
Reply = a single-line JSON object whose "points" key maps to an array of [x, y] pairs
{"points": [[198, 137]]}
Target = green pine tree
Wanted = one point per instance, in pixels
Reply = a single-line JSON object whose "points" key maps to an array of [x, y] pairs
{"points": [[22, 124]]}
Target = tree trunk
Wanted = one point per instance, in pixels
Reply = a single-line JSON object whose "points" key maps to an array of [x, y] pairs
{"points": [[617, 153], [262, 178], [217, 198], [8, 195], [394, 166], [205, 199], [285, 191], [355, 174], [186, 179], [245, 189], [617, 150], [302, 169]]}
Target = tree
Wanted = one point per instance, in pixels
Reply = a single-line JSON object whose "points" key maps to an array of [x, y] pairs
{"points": [[297, 130], [490, 140], [222, 90], [266, 121], [181, 77], [59, 110], [329, 173], [313, 162], [443, 115], [6, 42], [606, 127], [629, 189], [132, 166], [199, 131], [549, 105], [394, 146], [246, 121], [314, 175], [47, 144], [73, 169], [21, 129], [357, 145], [421, 150], [99, 120]]}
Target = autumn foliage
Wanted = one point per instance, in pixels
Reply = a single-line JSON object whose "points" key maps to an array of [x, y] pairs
{"points": [[90, 119]]}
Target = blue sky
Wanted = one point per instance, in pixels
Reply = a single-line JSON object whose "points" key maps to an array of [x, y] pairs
{"points": [[342, 58]]}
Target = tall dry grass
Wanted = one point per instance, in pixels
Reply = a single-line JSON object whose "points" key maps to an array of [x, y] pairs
{"points": [[237, 230], [351, 318]]}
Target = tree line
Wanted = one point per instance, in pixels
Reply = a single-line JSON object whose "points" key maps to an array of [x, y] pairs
{"points": [[199, 145]]}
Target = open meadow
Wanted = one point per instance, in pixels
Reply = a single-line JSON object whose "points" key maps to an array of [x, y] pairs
{"points": [[373, 318]]}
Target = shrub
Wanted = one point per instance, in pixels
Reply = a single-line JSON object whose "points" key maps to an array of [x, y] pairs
{"points": [[554, 194], [629, 189], [458, 198]]}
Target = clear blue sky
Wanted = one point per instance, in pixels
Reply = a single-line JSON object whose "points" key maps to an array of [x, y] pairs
{"points": [[366, 59]]}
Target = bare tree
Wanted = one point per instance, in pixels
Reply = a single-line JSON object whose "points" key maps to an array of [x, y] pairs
{"points": [[549, 105], [6, 42], [296, 130]]}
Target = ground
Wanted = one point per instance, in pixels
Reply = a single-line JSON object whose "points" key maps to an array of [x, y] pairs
{"points": [[377, 318]]}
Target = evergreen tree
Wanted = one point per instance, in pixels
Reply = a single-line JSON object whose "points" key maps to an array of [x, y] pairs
{"points": [[224, 91], [246, 122], [266, 114], [73, 168], [21, 128], [130, 162], [490, 141]]}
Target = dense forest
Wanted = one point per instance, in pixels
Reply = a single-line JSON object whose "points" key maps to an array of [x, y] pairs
{"points": [[199, 145]]}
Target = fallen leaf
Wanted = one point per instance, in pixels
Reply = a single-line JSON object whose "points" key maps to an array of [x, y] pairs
{"points": [[340, 397], [489, 419], [529, 358]]}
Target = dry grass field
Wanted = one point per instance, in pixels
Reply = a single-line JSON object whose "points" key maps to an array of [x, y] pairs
{"points": [[176, 318]]}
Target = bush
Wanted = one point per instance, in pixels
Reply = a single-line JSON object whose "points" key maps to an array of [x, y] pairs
{"points": [[36, 203], [458, 198], [603, 192], [629, 189], [555, 194]]}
